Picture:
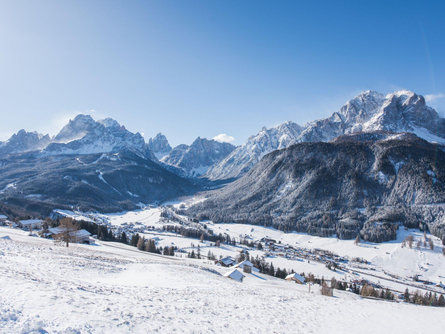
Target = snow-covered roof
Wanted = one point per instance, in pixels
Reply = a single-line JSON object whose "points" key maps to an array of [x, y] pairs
{"points": [[296, 277], [78, 233], [31, 221], [234, 274], [3, 217], [228, 260], [245, 263]]}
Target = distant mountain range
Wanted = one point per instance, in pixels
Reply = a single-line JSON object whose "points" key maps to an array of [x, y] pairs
{"points": [[100, 165], [402, 111]]}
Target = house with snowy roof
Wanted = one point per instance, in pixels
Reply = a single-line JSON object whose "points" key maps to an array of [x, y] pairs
{"points": [[235, 274], [227, 261], [3, 219], [78, 236], [30, 224], [295, 278], [246, 266]]}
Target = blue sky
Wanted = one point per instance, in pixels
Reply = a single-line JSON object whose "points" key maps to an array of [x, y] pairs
{"points": [[200, 68]]}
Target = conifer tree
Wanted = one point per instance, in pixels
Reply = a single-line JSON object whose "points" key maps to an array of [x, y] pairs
{"points": [[406, 296], [123, 238]]}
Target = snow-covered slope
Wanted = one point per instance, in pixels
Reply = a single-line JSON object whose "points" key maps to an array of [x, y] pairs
{"points": [[115, 288], [196, 159], [402, 111], [84, 135]]}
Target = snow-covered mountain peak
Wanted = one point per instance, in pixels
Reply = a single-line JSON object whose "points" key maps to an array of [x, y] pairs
{"points": [[245, 156], [159, 146], [109, 123], [402, 111], [84, 135], [24, 141], [361, 106], [196, 159], [76, 128]]}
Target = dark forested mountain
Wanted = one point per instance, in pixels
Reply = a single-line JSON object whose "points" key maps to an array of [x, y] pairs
{"points": [[368, 183], [106, 182], [88, 165]]}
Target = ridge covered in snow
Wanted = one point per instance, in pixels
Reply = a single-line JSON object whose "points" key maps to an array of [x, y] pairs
{"points": [[159, 146], [84, 135], [402, 111], [24, 141], [196, 159]]}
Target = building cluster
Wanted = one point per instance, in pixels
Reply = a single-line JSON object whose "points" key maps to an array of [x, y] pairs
{"points": [[40, 226]]}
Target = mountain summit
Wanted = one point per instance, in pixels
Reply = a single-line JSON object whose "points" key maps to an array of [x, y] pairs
{"points": [[402, 111], [159, 146], [84, 135], [24, 141], [196, 159]]}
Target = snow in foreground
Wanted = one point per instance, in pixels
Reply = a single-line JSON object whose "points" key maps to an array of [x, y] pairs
{"points": [[114, 288]]}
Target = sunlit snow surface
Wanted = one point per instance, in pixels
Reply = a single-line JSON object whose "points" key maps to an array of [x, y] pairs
{"points": [[114, 288]]}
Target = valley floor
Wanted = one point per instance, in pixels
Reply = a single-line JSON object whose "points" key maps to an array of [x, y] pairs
{"points": [[113, 288]]}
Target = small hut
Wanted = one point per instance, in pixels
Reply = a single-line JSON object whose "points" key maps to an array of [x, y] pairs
{"points": [[296, 278], [235, 274]]}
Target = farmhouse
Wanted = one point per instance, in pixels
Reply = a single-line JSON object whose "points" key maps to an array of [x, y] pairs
{"points": [[3, 219], [296, 278], [235, 274], [227, 261], [78, 236], [246, 266], [30, 224]]}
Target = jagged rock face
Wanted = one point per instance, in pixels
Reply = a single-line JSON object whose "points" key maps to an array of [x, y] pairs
{"points": [[24, 141], [196, 159], [402, 111], [244, 157], [365, 183], [159, 146], [107, 182], [84, 135]]}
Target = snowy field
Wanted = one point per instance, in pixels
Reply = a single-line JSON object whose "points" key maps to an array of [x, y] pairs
{"points": [[386, 260], [388, 256], [114, 288]]}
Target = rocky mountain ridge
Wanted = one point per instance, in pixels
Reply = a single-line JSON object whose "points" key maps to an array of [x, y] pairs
{"points": [[402, 111]]}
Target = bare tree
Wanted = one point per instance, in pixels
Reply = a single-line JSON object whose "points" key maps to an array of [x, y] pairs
{"points": [[410, 239], [326, 291], [431, 243], [67, 231], [357, 240]]}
